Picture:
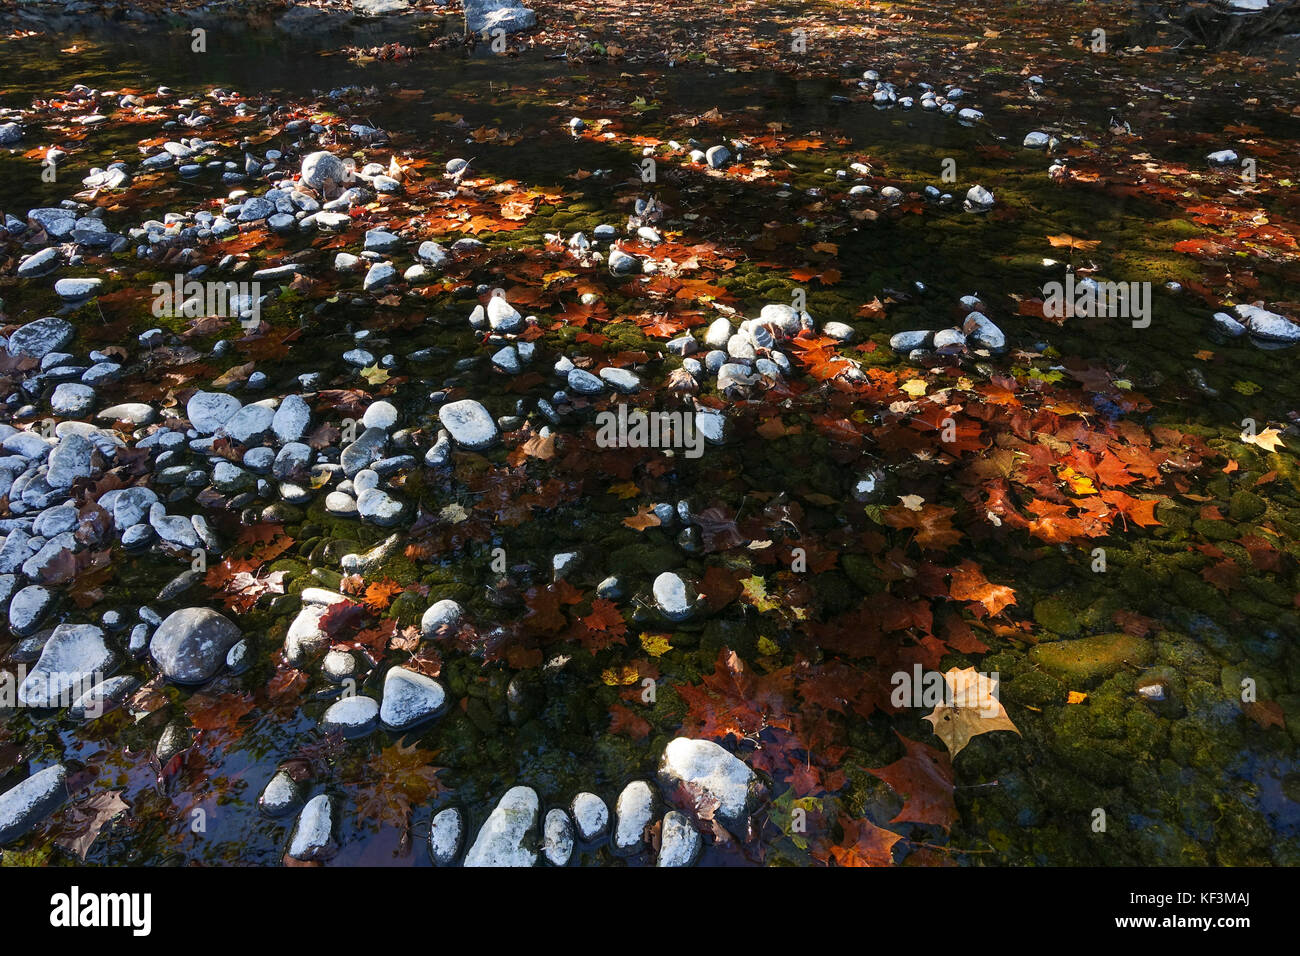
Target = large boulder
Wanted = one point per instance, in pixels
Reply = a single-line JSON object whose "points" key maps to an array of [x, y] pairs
{"points": [[489, 15], [74, 659], [31, 801], [191, 644], [709, 775], [503, 841], [324, 172], [36, 339]]}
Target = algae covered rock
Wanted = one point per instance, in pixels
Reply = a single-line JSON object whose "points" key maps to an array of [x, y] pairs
{"points": [[1089, 658]]}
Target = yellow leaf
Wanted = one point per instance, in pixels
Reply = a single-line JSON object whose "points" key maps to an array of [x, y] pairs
{"points": [[914, 387], [1270, 439], [972, 708], [1079, 484], [1076, 697], [625, 490], [655, 644], [1071, 242], [620, 676], [374, 375], [755, 592], [767, 647]]}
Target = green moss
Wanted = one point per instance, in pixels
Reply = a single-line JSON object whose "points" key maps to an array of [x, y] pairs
{"points": [[1214, 530], [1090, 658], [1245, 506], [1057, 615]]}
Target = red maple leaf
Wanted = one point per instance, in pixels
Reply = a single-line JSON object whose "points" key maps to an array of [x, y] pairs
{"points": [[925, 781], [969, 584], [864, 844], [627, 724]]}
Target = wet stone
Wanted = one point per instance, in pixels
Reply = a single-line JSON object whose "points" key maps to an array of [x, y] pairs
{"points": [[73, 660], [679, 841], [557, 838], [313, 834], [281, 796], [35, 339], [410, 698], [446, 833], [633, 813], [590, 815], [28, 608], [191, 644], [503, 839], [469, 424], [445, 614], [354, 716], [29, 802], [709, 773], [208, 411]]}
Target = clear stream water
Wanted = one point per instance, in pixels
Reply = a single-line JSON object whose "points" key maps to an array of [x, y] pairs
{"points": [[1190, 782]]}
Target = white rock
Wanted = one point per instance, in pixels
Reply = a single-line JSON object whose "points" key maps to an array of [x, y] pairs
{"points": [[446, 831], [633, 812], [679, 841], [710, 773], [469, 424], [502, 316], [557, 838], [502, 840], [672, 596], [313, 834], [443, 614], [305, 635], [354, 716], [978, 199], [590, 814], [410, 698]]}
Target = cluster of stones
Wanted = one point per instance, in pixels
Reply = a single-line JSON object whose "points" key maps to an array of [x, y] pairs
{"points": [[699, 772], [977, 333]]}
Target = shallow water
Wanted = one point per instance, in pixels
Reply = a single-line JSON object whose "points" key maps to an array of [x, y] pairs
{"points": [[1189, 783]]}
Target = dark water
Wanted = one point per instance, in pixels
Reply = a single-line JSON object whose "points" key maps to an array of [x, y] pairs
{"points": [[1225, 791]]}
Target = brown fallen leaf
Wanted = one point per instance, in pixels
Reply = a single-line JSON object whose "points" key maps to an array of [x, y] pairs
{"points": [[645, 517], [1266, 713], [1067, 241], [974, 709], [83, 821]]}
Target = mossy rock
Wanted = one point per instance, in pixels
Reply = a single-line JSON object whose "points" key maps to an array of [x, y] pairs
{"points": [[835, 592], [1245, 506], [1055, 614], [1034, 688], [861, 571], [1214, 530], [1171, 515], [1091, 658]]}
